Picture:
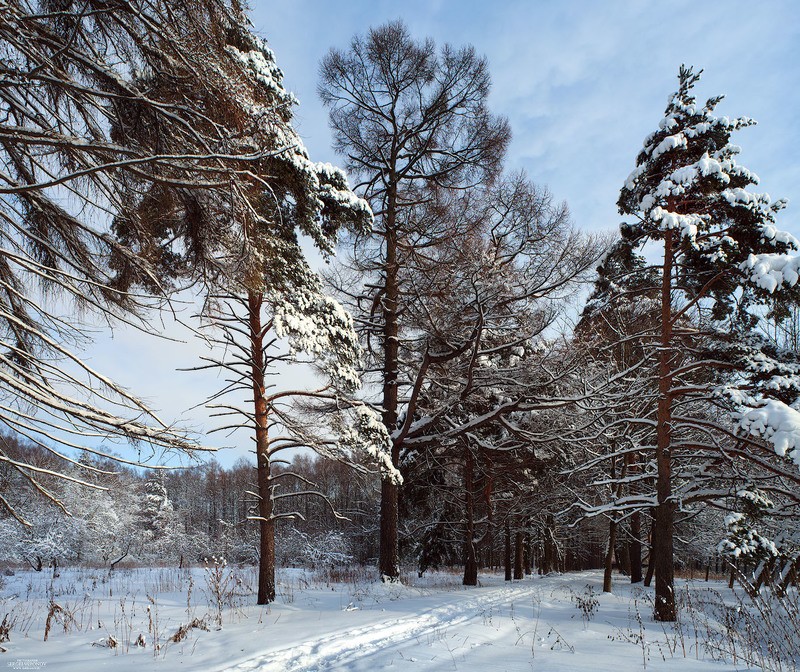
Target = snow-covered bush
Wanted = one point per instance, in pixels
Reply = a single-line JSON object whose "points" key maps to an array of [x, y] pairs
{"points": [[326, 548]]}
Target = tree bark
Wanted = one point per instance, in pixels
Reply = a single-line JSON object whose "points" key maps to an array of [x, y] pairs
{"points": [[549, 550], [664, 513], [634, 550], [609, 559], [635, 547], [507, 555], [266, 563], [651, 566], [470, 561], [528, 554], [519, 553], [389, 561]]}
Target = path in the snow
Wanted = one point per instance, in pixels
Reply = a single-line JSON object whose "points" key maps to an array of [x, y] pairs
{"points": [[366, 647]]}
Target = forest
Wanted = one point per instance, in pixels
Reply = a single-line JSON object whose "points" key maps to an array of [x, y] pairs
{"points": [[493, 388]]}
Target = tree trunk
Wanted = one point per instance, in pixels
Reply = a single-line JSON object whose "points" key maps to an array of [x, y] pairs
{"points": [[266, 563], [635, 547], [470, 561], [541, 565], [622, 558], [389, 562], [519, 553], [663, 523], [528, 554], [549, 550], [609, 560], [507, 556], [651, 565]]}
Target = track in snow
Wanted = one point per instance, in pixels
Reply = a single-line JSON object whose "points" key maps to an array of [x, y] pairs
{"points": [[346, 648]]}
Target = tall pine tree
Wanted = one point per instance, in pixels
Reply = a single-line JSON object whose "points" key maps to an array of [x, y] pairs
{"points": [[717, 260]]}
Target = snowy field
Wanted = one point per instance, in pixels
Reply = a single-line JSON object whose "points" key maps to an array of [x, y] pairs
{"points": [[136, 619]]}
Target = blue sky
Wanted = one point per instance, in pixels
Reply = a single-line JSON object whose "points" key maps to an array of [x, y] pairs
{"points": [[582, 84]]}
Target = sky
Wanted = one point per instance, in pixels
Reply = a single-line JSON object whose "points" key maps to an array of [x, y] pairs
{"points": [[581, 82]]}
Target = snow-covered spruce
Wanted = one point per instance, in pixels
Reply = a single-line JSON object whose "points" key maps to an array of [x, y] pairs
{"points": [[743, 540]]}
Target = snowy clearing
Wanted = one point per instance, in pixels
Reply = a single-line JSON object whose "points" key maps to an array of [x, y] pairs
{"points": [[558, 622]]}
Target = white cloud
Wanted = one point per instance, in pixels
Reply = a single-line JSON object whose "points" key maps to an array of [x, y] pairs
{"points": [[583, 82]]}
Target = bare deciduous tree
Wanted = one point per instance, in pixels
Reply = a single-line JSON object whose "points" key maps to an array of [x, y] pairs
{"points": [[405, 116]]}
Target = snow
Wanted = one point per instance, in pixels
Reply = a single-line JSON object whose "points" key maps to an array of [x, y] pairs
{"points": [[756, 498], [687, 225], [367, 433], [707, 166], [771, 271], [558, 623], [319, 326], [261, 62], [777, 423], [751, 542], [668, 144], [743, 538], [636, 173], [268, 108]]}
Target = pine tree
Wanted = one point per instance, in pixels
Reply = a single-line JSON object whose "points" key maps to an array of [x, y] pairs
{"points": [[247, 250], [721, 258], [195, 161]]}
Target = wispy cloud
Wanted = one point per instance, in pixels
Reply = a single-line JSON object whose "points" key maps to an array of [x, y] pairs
{"points": [[583, 82]]}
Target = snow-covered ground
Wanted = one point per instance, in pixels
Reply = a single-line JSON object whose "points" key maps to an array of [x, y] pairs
{"points": [[556, 623]]}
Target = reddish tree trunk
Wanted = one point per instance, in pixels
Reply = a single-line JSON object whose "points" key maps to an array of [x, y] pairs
{"points": [[664, 513], [266, 564]]}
